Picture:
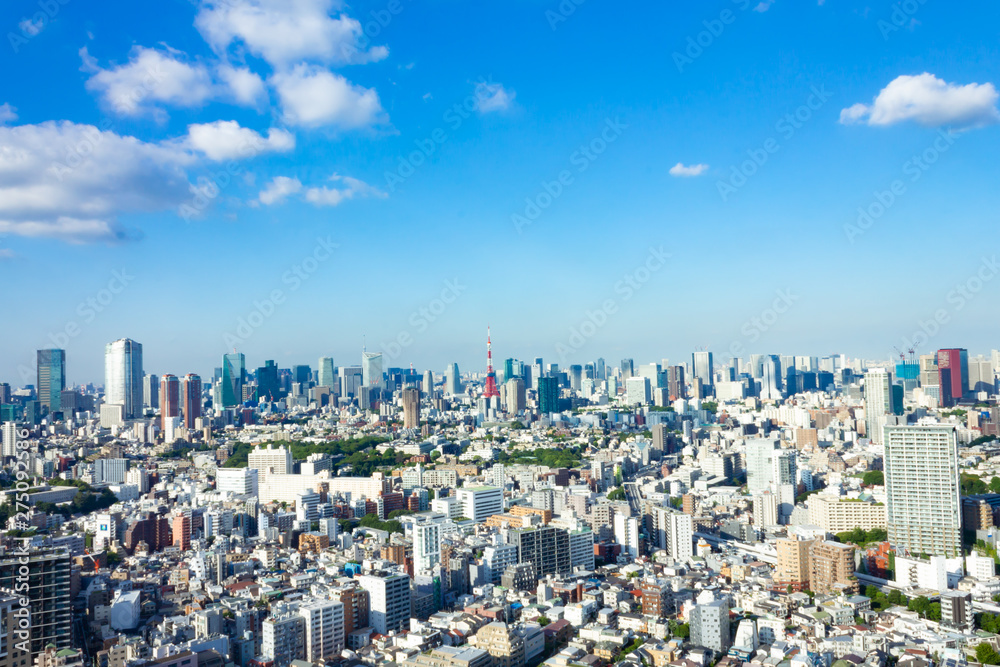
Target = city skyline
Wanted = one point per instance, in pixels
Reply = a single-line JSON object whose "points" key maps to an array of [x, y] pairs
{"points": [[843, 188]]}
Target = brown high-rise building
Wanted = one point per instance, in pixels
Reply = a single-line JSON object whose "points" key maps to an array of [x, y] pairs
{"points": [[154, 530], [793, 564], [411, 407], [192, 399], [657, 598], [689, 504], [182, 531], [356, 604], [170, 399], [675, 383], [394, 552], [832, 568]]}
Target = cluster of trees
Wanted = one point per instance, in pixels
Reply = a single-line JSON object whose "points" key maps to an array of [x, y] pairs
{"points": [[863, 538], [710, 406], [972, 485], [682, 630], [616, 494], [987, 655], [85, 502], [921, 605], [636, 643], [989, 622], [371, 520], [568, 457], [301, 450], [873, 478]]}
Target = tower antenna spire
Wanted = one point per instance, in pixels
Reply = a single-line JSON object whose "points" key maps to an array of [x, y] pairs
{"points": [[491, 377]]}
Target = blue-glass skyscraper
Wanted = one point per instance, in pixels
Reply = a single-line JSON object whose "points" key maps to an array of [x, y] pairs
{"points": [[233, 378], [51, 378]]}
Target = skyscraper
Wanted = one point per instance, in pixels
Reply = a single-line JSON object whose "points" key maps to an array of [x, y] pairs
{"points": [[702, 367], [192, 399], [953, 375], [548, 395], [327, 377], [411, 407], [268, 386], [426, 545], [922, 489], [51, 378], [151, 391], [371, 369], [233, 378], [123, 376], [878, 402], [675, 382], [452, 380], [170, 399]]}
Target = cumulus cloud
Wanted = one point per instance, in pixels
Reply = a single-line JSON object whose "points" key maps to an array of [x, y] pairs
{"points": [[312, 97], [244, 86], [282, 187], [150, 76], [681, 170], [764, 6], [493, 97], [226, 140], [349, 189], [7, 113], [929, 101], [278, 190], [285, 32], [69, 181]]}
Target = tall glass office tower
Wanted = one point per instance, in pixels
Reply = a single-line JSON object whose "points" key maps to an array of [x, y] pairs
{"points": [[326, 374], [371, 369], [51, 378], [123, 376], [233, 378]]}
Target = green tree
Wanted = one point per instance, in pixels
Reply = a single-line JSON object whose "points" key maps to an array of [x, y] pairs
{"points": [[873, 478], [987, 655], [616, 494]]}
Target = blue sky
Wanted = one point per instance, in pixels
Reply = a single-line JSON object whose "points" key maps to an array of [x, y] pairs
{"points": [[310, 113]]}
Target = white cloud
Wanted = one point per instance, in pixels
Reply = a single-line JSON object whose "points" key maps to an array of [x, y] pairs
{"points": [[284, 32], [7, 113], [351, 188], [71, 182], [226, 140], [493, 97], [245, 86], [278, 189], [313, 97], [764, 6], [681, 170], [30, 27], [930, 101], [149, 77]]}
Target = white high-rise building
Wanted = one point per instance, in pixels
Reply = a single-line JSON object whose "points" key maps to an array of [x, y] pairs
{"points": [[581, 549], [10, 438], [283, 638], [922, 489], [324, 629], [123, 376], [327, 376], [760, 454], [307, 506], [371, 369], [452, 380], [673, 532], [703, 368], [878, 402], [627, 534], [637, 391], [426, 545], [480, 502], [273, 460], [389, 601], [238, 481], [765, 510], [710, 625]]}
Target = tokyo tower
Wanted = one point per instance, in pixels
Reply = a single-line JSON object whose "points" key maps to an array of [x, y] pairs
{"points": [[491, 377]]}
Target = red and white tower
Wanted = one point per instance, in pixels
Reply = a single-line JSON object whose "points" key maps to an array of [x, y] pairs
{"points": [[491, 390]]}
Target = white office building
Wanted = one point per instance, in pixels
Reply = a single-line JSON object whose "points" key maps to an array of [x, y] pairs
{"points": [[389, 601], [237, 481], [480, 502], [878, 402], [426, 545], [324, 629]]}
